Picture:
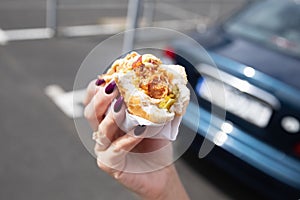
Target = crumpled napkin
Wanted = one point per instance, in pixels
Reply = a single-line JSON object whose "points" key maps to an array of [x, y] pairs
{"points": [[167, 130]]}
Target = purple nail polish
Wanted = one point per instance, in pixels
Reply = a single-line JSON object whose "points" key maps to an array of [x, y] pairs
{"points": [[118, 104], [139, 130], [100, 82], [110, 88]]}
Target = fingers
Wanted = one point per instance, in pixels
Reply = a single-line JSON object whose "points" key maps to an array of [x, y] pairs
{"points": [[91, 91], [125, 143], [109, 129], [122, 156], [97, 107], [113, 159], [120, 141], [112, 155], [102, 142]]}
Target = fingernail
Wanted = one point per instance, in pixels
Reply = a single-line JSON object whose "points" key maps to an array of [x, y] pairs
{"points": [[118, 104], [100, 82], [139, 130], [110, 88]]}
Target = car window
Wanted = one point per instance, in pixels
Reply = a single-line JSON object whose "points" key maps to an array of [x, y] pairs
{"points": [[272, 22]]}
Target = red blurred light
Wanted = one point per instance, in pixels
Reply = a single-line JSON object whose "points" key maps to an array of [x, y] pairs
{"points": [[169, 52], [297, 149]]}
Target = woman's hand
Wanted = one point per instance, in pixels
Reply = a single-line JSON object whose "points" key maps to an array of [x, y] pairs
{"points": [[141, 165]]}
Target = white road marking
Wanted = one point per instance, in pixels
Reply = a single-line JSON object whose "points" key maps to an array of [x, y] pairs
{"points": [[3, 37], [92, 6], [29, 34], [88, 30], [69, 102]]}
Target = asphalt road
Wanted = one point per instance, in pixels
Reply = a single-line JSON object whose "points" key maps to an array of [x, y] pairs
{"points": [[41, 154]]}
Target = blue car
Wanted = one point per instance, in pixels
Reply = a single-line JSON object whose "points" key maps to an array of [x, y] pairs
{"points": [[255, 64]]}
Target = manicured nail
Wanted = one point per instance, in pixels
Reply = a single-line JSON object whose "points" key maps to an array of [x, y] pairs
{"points": [[100, 82], [118, 104], [110, 88], [139, 130]]}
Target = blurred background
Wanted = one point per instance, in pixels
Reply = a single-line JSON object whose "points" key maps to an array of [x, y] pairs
{"points": [[42, 45]]}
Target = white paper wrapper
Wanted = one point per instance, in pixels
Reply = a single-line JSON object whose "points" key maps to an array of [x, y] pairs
{"points": [[168, 130]]}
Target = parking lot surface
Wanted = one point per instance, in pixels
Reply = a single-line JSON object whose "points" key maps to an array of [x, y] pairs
{"points": [[42, 155]]}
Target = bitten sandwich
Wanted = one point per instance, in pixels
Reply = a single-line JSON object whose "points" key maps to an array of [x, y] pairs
{"points": [[151, 89]]}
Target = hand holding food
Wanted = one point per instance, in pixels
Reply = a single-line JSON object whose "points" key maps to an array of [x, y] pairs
{"points": [[152, 92]]}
